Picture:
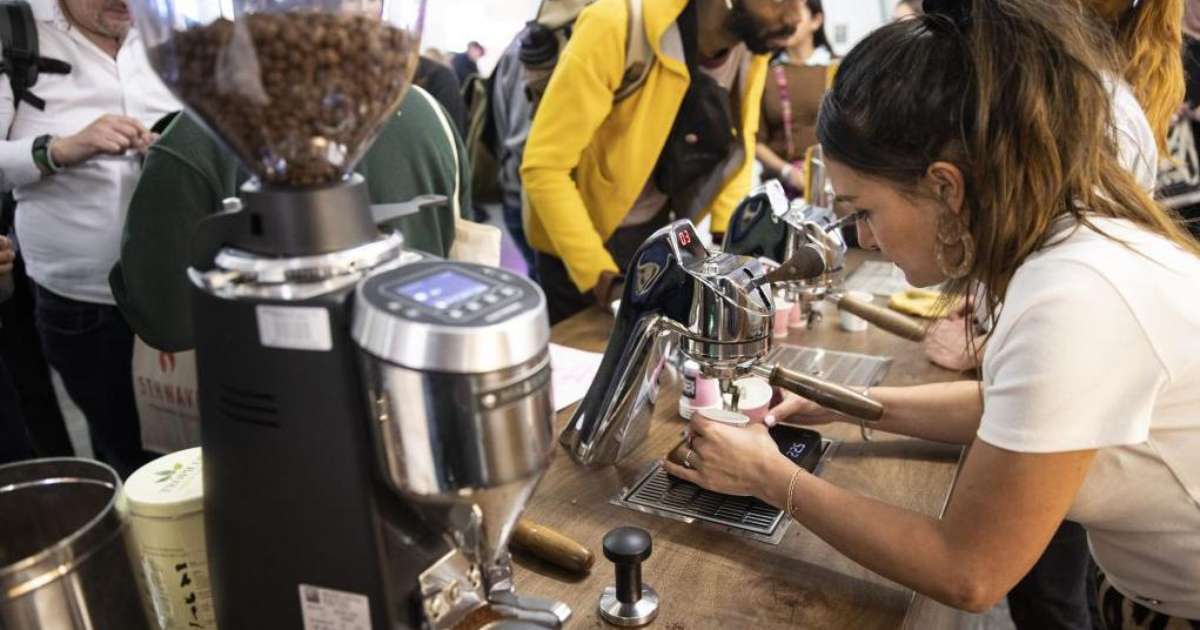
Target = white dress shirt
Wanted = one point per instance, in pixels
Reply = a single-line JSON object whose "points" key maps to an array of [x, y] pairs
{"points": [[69, 224]]}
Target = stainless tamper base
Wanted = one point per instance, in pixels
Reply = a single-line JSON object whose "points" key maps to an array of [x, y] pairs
{"points": [[636, 614]]}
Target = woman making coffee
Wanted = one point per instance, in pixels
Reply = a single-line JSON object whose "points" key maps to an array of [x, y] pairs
{"points": [[797, 81], [956, 138]]}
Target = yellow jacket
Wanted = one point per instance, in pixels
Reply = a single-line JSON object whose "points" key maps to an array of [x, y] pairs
{"points": [[587, 160]]}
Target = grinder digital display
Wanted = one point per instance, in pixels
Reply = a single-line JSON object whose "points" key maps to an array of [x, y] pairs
{"points": [[441, 290]]}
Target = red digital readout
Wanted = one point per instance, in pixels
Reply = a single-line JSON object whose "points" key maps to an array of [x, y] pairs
{"points": [[685, 238]]}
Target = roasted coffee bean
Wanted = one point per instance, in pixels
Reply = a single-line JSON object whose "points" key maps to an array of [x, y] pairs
{"points": [[297, 99]]}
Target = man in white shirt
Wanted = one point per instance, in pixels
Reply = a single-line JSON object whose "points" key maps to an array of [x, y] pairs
{"points": [[73, 166]]}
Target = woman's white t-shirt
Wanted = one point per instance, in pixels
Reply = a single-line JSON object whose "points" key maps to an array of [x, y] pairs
{"points": [[1098, 347]]}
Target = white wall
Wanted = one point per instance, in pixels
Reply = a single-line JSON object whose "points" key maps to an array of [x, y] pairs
{"points": [[847, 21], [450, 24]]}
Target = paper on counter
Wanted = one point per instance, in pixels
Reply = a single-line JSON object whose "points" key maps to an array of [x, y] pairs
{"points": [[571, 374]]}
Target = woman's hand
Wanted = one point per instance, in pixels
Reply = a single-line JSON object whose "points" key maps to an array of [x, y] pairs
{"points": [[946, 344], [793, 409], [727, 459]]}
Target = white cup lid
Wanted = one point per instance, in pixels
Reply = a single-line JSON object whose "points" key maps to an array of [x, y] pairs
{"points": [[168, 487], [731, 418]]}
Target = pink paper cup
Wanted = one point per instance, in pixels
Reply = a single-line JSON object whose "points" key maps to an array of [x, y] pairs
{"points": [[755, 399], [708, 393], [783, 314], [796, 318]]}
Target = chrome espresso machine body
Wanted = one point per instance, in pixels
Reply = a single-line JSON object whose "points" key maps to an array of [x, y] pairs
{"points": [[793, 234], [718, 308], [807, 242], [676, 292]]}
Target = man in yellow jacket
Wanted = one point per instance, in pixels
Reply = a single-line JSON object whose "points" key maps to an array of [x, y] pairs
{"points": [[592, 165]]}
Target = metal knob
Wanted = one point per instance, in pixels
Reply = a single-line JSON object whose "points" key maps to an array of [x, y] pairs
{"points": [[629, 602]]}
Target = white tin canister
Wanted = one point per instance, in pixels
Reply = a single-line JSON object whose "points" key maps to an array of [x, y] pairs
{"points": [[164, 502]]}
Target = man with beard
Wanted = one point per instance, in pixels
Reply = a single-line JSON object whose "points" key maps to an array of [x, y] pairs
{"points": [[73, 165], [602, 173]]}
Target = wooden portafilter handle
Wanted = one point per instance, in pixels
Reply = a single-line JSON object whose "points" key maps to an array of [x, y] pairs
{"points": [[552, 546], [829, 395], [884, 318]]}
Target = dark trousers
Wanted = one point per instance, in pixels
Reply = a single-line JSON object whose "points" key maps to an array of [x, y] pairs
{"points": [[91, 346], [563, 298], [1056, 594], [14, 440], [21, 349], [516, 229]]}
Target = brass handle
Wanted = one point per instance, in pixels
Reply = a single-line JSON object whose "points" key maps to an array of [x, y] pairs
{"points": [[552, 546], [829, 395], [884, 318]]}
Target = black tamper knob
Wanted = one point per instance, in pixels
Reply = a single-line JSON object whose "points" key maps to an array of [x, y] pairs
{"points": [[629, 603]]}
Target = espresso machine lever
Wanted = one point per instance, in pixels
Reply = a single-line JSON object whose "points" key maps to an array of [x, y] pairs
{"points": [[832, 396]]}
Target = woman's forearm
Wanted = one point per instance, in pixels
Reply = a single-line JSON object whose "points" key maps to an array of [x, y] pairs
{"points": [[1004, 508], [899, 544], [941, 412]]}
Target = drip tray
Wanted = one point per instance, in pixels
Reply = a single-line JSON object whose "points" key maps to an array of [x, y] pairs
{"points": [[844, 368], [655, 492]]}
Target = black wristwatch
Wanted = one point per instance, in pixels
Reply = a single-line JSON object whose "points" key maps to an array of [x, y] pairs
{"points": [[41, 155]]}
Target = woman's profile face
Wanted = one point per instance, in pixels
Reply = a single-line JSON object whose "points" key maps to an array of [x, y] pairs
{"points": [[807, 28], [902, 226]]}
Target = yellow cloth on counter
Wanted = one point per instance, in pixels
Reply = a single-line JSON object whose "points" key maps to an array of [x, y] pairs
{"points": [[923, 303]]}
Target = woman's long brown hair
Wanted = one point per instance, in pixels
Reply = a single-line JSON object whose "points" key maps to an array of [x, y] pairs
{"points": [[1150, 39], [1018, 96]]}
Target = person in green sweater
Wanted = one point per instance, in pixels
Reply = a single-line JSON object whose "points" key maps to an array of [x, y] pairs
{"points": [[187, 174]]}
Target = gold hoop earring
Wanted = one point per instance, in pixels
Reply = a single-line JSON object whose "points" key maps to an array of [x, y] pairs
{"points": [[952, 232]]}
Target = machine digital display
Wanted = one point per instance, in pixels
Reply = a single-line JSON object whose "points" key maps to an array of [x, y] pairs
{"points": [[441, 290], [689, 242]]}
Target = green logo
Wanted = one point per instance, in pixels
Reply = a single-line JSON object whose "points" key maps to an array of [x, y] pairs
{"points": [[163, 476]]}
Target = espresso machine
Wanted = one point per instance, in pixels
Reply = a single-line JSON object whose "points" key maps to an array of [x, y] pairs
{"points": [[717, 308], [374, 419], [806, 241]]}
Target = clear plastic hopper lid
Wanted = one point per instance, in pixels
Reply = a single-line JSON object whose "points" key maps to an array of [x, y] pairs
{"points": [[298, 89]]}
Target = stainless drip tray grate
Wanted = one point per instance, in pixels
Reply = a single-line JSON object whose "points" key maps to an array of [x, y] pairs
{"points": [[661, 491], [844, 368], [655, 492]]}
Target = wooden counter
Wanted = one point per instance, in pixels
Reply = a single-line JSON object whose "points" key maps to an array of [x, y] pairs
{"points": [[711, 579]]}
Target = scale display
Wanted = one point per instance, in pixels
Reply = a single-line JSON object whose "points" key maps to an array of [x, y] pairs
{"points": [[441, 290]]}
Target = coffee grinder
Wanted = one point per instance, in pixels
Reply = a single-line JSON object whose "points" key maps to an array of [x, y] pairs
{"points": [[374, 420]]}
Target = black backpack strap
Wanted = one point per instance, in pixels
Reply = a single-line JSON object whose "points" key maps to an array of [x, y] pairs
{"points": [[22, 64]]}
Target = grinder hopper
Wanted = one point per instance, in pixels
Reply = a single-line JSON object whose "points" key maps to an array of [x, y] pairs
{"points": [[297, 89]]}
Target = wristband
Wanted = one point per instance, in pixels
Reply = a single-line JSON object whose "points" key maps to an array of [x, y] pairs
{"points": [[41, 155]]}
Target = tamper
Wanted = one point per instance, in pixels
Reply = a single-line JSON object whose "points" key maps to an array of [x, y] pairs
{"points": [[629, 602]]}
